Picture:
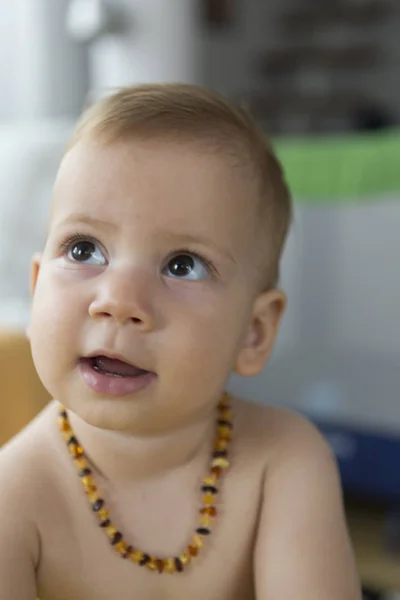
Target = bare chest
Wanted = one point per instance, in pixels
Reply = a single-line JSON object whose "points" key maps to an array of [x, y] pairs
{"points": [[78, 561]]}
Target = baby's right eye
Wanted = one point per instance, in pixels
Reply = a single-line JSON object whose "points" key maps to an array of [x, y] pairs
{"points": [[85, 251]]}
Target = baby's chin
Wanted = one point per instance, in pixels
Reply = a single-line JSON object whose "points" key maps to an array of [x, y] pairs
{"points": [[119, 415]]}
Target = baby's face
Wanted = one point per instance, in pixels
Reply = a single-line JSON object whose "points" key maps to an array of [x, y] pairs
{"points": [[149, 259]]}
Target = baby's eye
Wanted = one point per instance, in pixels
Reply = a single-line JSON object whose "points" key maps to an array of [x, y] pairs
{"points": [[86, 252], [187, 266]]}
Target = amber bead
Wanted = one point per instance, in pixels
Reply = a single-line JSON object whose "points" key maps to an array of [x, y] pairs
{"points": [[193, 551], [111, 531], [185, 558], [203, 531], [220, 453], [105, 523], [151, 564], [92, 497], [116, 538], [169, 565], [85, 472], [225, 423], [128, 552], [80, 463], [226, 413], [90, 489], [221, 444], [160, 565], [209, 488], [210, 480], [197, 541], [217, 472], [208, 498], [136, 556], [121, 548], [144, 560], [72, 449], [224, 432], [220, 462], [75, 450], [98, 504], [65, 426], [224, 400], [208, 510], [178, 564], [87, 481], [205, 521], [102, 514]]}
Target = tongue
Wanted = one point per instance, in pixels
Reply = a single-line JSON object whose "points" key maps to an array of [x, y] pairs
{"points": [[117, 367]]}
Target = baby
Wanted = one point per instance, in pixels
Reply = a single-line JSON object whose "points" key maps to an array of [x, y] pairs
{"points": [[143, 479]]}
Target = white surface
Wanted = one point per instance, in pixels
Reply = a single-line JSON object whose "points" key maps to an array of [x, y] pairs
{"points": [[29, 156], [160, 43], [87, 19], [43, 71]]}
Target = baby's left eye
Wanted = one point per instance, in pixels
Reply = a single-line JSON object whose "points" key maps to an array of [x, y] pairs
{"points": [[187, 266]]}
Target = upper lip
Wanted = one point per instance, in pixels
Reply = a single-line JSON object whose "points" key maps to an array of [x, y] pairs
{"points": [[114, 356]]}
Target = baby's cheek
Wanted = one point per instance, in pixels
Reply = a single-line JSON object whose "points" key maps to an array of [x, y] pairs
{"points": [[52, 345], [52, 317]]}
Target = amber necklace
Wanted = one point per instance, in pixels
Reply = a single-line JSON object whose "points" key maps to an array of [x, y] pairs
{"points": [[209, 488]]}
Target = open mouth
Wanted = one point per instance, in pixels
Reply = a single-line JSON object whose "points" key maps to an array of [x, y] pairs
{"points": [[113, 367], [112, 377]]}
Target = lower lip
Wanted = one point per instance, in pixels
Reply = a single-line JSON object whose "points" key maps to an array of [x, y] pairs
{"points": [[116, 387]]}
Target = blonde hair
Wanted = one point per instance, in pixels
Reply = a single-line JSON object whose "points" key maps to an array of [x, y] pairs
{"points": [[200, 116]]}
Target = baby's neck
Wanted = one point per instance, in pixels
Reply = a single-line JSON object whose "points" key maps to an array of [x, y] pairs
{"points": [[124, 458]]}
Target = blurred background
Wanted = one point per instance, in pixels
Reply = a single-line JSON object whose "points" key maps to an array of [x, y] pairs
{"points": [[322, 79]]}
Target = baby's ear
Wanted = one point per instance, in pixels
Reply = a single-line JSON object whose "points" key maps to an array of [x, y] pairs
{"points": [[260, 339], [35, 268]]}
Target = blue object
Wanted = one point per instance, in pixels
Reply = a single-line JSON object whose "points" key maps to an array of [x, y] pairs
{"points": [[369, 462]]}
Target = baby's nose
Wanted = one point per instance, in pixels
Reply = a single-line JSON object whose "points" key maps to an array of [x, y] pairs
{"points": [[125, 297]]}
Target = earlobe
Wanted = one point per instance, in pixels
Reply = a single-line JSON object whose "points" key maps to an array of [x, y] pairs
{"points": [[260, 339]]}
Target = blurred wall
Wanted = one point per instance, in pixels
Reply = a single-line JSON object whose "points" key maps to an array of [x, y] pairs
{"points": [[43, 72]]}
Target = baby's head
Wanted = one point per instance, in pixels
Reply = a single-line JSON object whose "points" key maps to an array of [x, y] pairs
{"points": [[168, 221]]}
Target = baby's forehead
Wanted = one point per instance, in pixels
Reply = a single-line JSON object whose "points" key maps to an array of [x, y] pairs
{"points": [[169, 168], [152, 179]]}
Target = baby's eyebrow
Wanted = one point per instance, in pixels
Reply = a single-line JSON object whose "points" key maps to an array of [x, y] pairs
{"points": [[184, 238], [180, 238], [83, 219]]}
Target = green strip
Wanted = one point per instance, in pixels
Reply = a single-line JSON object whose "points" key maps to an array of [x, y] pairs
{"points": [[341, 169]]}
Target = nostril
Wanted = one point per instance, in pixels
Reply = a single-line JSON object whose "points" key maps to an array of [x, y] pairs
{"points": [[136, 320]]}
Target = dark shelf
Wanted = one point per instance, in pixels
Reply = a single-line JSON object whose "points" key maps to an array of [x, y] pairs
{"points": [[313, 16], [288, 61], [262, 104], [218, 13]]}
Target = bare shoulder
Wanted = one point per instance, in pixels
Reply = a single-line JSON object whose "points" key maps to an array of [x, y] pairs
{"points": [[24, 460], [32, 437], [279, 436], [24, 475], [302, 547]]}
